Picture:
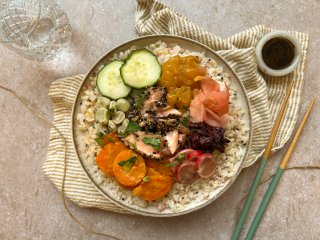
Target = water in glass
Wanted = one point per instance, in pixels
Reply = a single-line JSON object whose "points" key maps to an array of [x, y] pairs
{"points": [[37, 29]]}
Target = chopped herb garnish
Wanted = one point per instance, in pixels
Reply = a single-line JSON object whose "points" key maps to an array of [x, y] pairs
{"points": [[185, 121], [127, 164], [132, 145], [122, 163], [132, 127], [110, 139], [177, 160], [146, 179], [100, 134], [180, 157], [99, 139], [140, 99], [168, 164], [154, 142]]}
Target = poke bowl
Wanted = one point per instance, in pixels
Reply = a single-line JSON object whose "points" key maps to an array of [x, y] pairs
{"points": [[161, 125]]}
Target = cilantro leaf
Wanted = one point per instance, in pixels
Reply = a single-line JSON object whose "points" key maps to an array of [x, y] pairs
{"points": [[127, 164], [140, 99], [132, 127], [180, 157], [122, 163], [169, 164], [146, 179], [132, 145], [185, 120], [100, 134], [99, 139], [154, 142]]}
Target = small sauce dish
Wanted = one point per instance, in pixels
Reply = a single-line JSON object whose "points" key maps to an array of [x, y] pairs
{"points": [[278, 53]]}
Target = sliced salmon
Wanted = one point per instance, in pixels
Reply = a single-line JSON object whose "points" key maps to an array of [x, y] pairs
{"points": [[154, 95], [172, 140], [136, 143], [167, 111]]}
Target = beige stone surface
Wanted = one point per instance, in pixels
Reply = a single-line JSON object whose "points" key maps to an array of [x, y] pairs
{"points": [[30, 206]]}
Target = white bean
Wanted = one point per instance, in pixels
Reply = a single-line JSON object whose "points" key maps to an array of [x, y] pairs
{"points": [[123, 126], [103, 102], [118, 117], [113, 105], [101, 115], [112, 126], [123, 105]]}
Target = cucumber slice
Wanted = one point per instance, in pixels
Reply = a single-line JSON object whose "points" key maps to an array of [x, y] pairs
{"points": [[141, 69], [109, 81]]}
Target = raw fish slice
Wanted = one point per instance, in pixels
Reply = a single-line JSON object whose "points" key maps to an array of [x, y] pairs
{"points": [[136, 143], [172, 140], [167, 111]]}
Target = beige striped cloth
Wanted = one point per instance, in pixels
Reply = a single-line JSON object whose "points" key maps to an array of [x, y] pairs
{"points": [[265, 95]]}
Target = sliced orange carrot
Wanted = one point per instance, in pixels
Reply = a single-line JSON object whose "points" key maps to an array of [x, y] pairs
{"points": [[151, 172], [159, 167], [129, 168], [110, 138], [155, 188], [106, 156]]}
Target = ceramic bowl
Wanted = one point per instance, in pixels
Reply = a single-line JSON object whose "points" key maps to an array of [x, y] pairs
{"points": [[243, 101]]}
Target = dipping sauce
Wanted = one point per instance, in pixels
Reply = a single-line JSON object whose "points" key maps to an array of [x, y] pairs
{"points": [[278, 53]]}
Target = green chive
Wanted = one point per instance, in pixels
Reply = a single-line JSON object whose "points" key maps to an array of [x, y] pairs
{"points": [[146, 179]]}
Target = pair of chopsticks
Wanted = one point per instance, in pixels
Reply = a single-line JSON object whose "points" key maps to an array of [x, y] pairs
{"points": [[262, 208]]}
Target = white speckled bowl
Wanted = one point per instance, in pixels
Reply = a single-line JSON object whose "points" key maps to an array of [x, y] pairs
{"points": [[243, 101], [272, 72]]}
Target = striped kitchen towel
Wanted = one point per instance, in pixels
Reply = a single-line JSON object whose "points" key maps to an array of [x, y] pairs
{"points": [[265, 95]]}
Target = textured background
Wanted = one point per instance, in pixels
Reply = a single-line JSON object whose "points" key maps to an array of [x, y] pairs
{"points": [[30, 206]]}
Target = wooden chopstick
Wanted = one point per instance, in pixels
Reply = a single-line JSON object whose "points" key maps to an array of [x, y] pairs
{"points": [[262, 165], [266, 199]]}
